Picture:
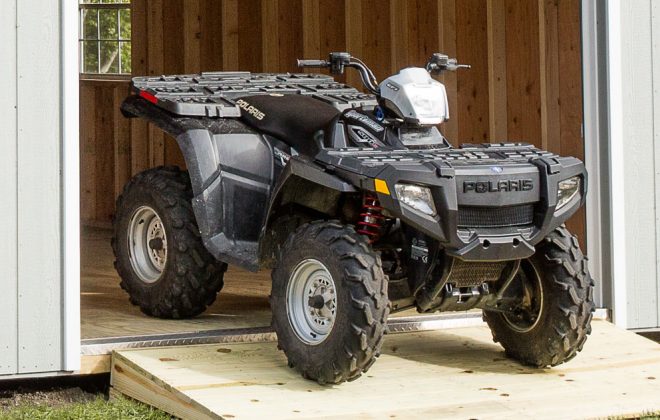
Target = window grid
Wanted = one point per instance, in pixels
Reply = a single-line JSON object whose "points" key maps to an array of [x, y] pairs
{"points": [[118, 7]]}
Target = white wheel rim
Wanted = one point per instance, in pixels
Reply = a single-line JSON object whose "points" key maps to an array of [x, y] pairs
{"points": [[310, 285], [147, 244]]}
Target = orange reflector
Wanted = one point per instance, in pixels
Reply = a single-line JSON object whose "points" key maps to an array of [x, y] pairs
{"points": [[381, 186]]}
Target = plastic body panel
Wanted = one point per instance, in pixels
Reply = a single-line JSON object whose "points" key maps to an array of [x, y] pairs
{"points": [[415, 96], [232, 176], [444, 171]]}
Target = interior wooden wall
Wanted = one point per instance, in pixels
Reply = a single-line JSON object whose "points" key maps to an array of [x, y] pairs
{"points": [[525, 83]]}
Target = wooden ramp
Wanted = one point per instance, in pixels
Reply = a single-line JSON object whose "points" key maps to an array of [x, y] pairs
{"points": [[458, 373]]}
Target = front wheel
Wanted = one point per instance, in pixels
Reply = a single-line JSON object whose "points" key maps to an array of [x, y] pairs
{"points": [[550, 324], [329, 302]]}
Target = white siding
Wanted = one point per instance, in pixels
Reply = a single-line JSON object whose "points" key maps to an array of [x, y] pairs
{"points": [[39, 187], [655, 46], [641, 159], [8, 269]]}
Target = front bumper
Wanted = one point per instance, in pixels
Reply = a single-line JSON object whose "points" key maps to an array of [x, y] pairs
{"points": [[464, 188]]}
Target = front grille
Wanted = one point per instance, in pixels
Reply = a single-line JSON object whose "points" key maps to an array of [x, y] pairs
{"points": [[466, 274], [494, 217]]}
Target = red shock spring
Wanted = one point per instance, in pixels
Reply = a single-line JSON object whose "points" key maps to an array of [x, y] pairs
{"points": [[371, 217]]}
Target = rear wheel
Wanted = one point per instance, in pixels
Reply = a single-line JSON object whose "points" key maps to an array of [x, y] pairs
{"points": [[551, 322], [159, 253], [329, 302]]}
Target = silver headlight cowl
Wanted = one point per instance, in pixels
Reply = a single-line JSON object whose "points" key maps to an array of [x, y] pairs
{"points": [[566, 190], [417, 197]]}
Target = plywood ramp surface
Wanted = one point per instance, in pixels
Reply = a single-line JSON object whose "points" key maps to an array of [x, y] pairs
{"points": [[439, 374]]}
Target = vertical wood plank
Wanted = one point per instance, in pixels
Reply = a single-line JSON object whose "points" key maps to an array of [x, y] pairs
{"points": [[471, 48], [104, 153], [192, 33], [250, 47], [423, 27], [354, 43], [269, 35], [229, 34], [522, 60], [549, 75], [447, 43], [39, 203], [290, 36], [181, 49], [156, 67], [311, 29], [211, 34], [122, 142], [570, 111], [497, 70], [376, 45], [140, 66], [88, 140], [399, 31], [8, 190]]}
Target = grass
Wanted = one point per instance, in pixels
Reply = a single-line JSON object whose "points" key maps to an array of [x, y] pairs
{"points": [[99, 408]]}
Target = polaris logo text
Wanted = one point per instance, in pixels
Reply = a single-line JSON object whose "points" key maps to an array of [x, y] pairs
{"points": [[250, 109], [498, 186]]}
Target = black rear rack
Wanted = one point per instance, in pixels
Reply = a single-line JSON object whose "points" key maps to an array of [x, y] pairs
{"points": [[213, 94]]}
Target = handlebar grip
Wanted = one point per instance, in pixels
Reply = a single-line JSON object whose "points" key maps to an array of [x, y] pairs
{"points": [[313, 63]]}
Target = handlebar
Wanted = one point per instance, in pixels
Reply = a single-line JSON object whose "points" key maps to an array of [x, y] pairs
{"points": [[441, 62], [338, 61], [313, 63]]}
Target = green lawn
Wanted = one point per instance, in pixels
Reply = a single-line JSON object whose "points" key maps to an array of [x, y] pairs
{"points": [[119, 408]]}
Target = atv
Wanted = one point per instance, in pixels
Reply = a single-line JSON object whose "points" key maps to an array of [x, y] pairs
{"points": [[360, 206]]}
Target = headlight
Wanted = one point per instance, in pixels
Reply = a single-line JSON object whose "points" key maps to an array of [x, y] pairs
{"points": [[566, 190], [419, 198]]}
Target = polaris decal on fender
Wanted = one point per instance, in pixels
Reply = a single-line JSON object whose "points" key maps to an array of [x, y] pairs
{"points": [[250, 109], [365, 120], [498, 186]]}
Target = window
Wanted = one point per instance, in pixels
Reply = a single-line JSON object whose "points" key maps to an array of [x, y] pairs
{"points": [[105, 36]]}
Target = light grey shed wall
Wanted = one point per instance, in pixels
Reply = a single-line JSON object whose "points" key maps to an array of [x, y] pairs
{"points": [[8, 215], [31, 298], [640, 122]]}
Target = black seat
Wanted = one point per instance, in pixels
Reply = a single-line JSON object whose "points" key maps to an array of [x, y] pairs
{"points": [[294, 119]]}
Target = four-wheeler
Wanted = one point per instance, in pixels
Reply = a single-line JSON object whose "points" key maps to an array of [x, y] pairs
{"points": [[360, 206]]}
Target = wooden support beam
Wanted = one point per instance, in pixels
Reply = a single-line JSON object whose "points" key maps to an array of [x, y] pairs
{"points": [[497, 70]]}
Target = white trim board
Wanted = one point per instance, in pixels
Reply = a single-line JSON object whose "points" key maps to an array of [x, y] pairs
{"points": [[70, 186]]}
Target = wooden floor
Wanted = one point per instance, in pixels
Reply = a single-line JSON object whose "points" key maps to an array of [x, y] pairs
{"points": [[106, 311], [459, 373]]}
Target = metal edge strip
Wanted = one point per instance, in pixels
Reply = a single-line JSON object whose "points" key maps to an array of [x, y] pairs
{"points": [[101, 346]]}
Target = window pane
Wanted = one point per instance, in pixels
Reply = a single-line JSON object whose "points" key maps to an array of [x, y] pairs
{"points": [[125, 23], [126, 57], [90, 57], [109, 57], [89, 23], [108, 19]]}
